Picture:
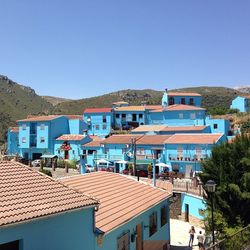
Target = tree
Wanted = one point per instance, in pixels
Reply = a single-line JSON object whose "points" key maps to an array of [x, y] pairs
{"points": [[229, 167], [245, 127]]}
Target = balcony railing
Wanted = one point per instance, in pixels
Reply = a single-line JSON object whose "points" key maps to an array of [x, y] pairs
{"points": [[109, 157], [184, 157]]}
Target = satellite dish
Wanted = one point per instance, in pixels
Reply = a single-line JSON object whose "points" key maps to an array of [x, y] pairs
{"points": [[129, 154]]}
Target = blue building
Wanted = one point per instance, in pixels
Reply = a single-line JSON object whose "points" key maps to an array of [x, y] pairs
{"points": [[242, 103], [13, 141], [41, 213], [99, 121], [132, 214], [37, 135], [184, 152]]}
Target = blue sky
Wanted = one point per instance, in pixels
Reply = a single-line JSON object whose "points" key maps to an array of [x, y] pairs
{"points": [[82, 48]]}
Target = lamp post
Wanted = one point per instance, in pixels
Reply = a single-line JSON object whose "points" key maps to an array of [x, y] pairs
{"points": [[210, 187]]}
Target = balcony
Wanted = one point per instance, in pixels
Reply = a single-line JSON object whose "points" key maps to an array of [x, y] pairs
{"points": [[109, 157], [187, 158]]}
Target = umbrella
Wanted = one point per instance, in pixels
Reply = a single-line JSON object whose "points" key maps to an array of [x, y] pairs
{"points": [[161, 164], [122, 162]]}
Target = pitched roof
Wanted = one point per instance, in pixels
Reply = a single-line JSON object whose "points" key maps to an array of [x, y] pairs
{"points": [[149, 107], [193, 139], [42, 118], [182, 94], [27, 194], [184, 128], [245, 96], [121, 198], [130, 108], [74, 117], [152, 139], [121, 139], [92, 144], [70, 137], [178, 107], [14, 129], [149, 128], [97, 110]]}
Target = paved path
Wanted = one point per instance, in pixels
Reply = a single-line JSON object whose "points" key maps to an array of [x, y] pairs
{"points": [[180, 236]]}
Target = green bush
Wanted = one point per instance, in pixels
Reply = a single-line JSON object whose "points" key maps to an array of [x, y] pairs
{"points": [[60, 163], [45, 171]]}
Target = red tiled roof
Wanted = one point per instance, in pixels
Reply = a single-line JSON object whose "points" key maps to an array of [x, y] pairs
{"points": [[27, 194], [193, 139], [70, 138], [74, 117], [184, 128], [152, 139], [149, 107], [131, 108], [177, 107], [121, 198], [92, 144], [120, 139], [97, 110], [182, 94], [245, 96], [14, 129], [149, 128], [42, 118]]}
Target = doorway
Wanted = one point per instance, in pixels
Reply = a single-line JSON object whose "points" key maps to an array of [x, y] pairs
{"points": [[139, 241], [66, 154], [186, 212], [188, 171]]}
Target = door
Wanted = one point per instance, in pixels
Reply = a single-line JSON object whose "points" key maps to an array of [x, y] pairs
{"points": [[139, 241], [66, 154], [187, 212], [188, 171]]}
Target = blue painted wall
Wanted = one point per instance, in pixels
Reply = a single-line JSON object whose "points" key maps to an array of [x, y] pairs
{"points": [[195, 204], [71, 230], [241, 103], [163, 233], [187, 99], [13, 141], [218, 125]]}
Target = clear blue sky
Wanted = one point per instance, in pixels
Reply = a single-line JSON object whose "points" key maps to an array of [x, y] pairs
{"points": [[82, 48]]}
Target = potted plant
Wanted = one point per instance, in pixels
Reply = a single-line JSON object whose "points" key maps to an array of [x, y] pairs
{"points": [[150, 169]]}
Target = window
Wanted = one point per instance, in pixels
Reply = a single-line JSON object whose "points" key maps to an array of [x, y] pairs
{"points": [[104, 119], [140, 151], [198, 152], [152, 223], [192, 116], [97, 127], [13, 245], [164, 212], [24, 127], [42, 127], [117, 115], [215, 126], [123, 241], [123, 115], [171, 100], [140, 116], [134, 118], [104, 127], [179, 151], [181, 116], [58, 151], [73, 151], [90, 152], [191, 101], [23, 139], [42, 139], [183, 101]]}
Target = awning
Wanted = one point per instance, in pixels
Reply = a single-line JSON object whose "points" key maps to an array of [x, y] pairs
{"points": [[102, 161], [122, 162], [161, 164], [49, 156], [138, 162]]}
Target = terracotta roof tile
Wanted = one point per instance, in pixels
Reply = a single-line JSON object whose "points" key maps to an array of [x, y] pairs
{"points": [[177, 107], [184, 128], [117, 205], [74, 117], [130, 108], [97, 110], [182, 94], [40, 118], [26, 194], [193, 139], [120, 139], [153, 139], [70, 137], [149, 128], [14, 129]]}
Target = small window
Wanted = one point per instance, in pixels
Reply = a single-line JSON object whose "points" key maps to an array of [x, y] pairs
{"points": [[164, 212], [73, 151], [192, 116], [215, 126], [152, 223], [42, 139], [23, 139], [117, 115], [140, 116], [123, 115], [42, 126], [24, 127], [181, 116], [183, 101], [13, 245], [171, 101], [104, 127], [90, 152], [179, 151], [104, 119], [97, 127], [191, 101], [58, 151]]}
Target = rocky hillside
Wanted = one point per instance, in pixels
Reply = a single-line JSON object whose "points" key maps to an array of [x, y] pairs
{"points": [[17, 101]]}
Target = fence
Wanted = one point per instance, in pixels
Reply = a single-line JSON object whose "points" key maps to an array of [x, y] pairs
{"points": [[237, 241]]}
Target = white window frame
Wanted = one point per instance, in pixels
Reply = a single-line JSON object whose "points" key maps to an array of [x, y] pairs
{"points": [[24, 139], [181, 115], [24, 126]]}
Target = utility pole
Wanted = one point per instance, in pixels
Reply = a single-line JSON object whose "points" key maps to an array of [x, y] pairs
{"points": [[133, 140]]}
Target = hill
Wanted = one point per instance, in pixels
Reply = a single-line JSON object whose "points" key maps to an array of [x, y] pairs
{"points": [[55, 100], [212, 97], [17, 101]]}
